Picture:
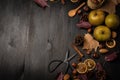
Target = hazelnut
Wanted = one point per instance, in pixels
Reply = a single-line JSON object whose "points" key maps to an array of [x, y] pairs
{"points": [[89, 30], [66, 77], [114, 34], [74, 65], [95, 55], [74, 72]]}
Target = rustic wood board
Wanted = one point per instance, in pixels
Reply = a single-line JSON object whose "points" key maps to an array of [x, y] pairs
{"points": [[26, 30]]}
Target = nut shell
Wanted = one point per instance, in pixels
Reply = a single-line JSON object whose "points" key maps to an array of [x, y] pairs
{"points": [[103, 50], [114, 34], [66, 77]]}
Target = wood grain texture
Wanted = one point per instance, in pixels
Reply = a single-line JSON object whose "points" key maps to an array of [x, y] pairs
{"points": [[30, 37], [14, 26]]}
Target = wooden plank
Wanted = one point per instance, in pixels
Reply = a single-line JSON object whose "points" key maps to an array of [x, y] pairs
{"points": [[14, 21], [48, 27]]}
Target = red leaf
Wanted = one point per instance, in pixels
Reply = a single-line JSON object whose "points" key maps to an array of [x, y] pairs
{"points": [[60, 76], [83, 24], [111, 56], [42, 3]]}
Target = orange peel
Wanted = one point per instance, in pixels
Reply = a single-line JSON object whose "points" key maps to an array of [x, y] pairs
{"points": [[81, 68], [90, 64]]}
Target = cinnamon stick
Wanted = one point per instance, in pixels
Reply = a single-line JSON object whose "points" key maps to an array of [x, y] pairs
{"points": [[77, 50]]}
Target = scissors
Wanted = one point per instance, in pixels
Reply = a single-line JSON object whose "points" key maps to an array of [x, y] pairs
{"points": [[59, 62]]}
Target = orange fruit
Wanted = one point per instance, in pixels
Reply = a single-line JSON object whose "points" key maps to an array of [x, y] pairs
{"points": [[81, 68], [90, 64]]}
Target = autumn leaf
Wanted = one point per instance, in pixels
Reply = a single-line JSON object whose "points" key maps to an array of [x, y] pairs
{"points": [[110, 6], [90, 43], [41, 3]]}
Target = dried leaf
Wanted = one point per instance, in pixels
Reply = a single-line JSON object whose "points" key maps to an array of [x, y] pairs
{"points": [[84, 77], [41, 3], [109, 6], [60, 76], [111, 57], [99, 66], [83, 24], [90, 43]]}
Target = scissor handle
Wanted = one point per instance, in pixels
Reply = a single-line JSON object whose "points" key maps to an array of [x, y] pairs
{"points": [[52, 62]]}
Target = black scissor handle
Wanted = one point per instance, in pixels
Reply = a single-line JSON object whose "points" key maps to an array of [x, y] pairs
{"points": [[52, 62]]}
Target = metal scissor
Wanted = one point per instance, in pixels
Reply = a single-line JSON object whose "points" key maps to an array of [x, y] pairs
{"points": [[59, 62]]}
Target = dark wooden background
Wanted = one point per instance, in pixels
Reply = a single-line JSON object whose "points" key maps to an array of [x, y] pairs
{"points": [[30, 37]]}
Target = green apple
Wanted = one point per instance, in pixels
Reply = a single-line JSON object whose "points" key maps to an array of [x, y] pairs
{"points": [[96, 17], [102, 33], [112, 21]]}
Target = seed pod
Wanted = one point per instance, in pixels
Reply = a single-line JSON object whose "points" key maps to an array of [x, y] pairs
{"points": [[103, 50]]}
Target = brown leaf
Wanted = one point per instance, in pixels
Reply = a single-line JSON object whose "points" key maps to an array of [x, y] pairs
{"points": [[90, 43], [109, 6], [41, 3]]}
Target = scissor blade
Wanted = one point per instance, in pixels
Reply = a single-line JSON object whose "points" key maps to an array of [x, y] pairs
{"points": [[67, 54], [71, 57]]}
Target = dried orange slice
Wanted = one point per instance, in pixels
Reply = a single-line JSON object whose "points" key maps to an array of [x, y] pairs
{"points": [[81, 68], [90, 64], [111, 43]]}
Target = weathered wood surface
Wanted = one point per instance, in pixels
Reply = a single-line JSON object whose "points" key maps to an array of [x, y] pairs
{"points": [[26, 34]]}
